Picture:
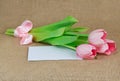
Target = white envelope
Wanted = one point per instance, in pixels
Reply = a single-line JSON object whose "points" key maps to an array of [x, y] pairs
{"points": [[37, 53]]}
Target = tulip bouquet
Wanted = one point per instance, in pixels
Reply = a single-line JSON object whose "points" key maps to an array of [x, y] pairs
{"points": [[62, 33]]}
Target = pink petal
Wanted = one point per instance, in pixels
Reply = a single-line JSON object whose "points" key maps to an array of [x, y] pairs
{"points": [[27, 39], [19, 31], [23, 29], [86, 51], [97, 37], [102, 48], [27, 26], [111, 45], [108, 48]]}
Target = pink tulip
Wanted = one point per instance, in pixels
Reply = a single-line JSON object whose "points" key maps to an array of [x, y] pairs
{"points": [[27, 39], [97, 37], [22, 32], [108, 48], [86, 51]]}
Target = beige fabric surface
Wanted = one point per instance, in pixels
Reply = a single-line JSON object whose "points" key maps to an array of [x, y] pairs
{"points": [[90, 13]]}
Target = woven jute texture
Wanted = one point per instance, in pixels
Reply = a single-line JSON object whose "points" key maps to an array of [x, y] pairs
{"points": [[90, 13]]}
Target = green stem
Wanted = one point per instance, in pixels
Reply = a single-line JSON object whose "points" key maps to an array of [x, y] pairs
{"points": [[73, 48], [10, 32]]}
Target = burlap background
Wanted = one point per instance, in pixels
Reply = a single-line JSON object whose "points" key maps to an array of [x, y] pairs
{"points": [[91, 13]]}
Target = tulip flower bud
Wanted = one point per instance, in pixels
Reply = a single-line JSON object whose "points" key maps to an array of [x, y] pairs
{"points": [[107, 48], [86, 51], [97, 37]]}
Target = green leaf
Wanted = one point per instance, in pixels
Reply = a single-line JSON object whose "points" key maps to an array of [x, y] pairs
{"points": [[39, 36], [61, 40], [75, 34], [71, 33], [77, 43], [79, 29], [67, 22], [52, 30], [82, 39]]}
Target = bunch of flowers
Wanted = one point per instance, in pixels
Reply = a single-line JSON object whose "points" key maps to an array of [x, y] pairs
{"points": [[62, 33]]}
